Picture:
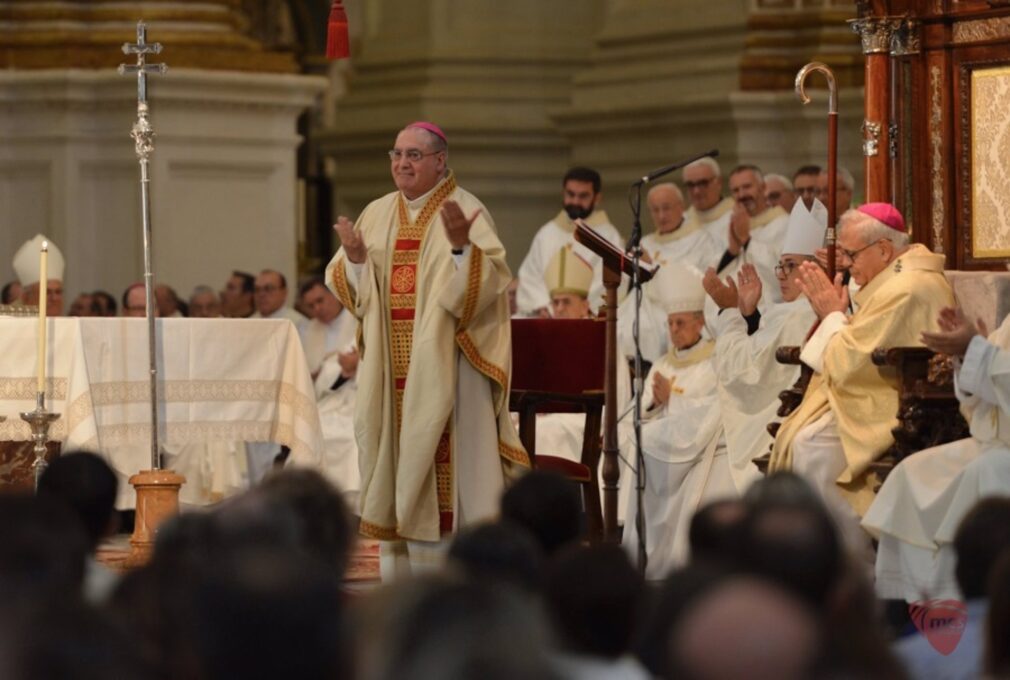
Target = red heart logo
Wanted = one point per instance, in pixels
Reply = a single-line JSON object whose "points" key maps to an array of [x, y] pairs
{"points": [[941, 621]]}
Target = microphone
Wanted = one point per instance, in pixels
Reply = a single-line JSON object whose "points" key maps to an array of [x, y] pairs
{"points": [[667, 169]]}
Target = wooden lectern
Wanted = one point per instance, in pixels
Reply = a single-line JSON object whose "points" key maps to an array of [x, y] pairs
{"points": [[615, 263]]}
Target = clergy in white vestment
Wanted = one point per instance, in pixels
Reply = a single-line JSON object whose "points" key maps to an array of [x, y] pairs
{"points": [[425, 274], [674, 240], [923, 500], [754, 235], [569, 278], [750, 379], [849, 408], [682, 441], [26, 266], [581, 196], [709, 208], [330, 344], [270, 295]]}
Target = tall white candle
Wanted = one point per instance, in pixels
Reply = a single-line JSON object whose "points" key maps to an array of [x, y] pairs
{"points": [[43, 294]]}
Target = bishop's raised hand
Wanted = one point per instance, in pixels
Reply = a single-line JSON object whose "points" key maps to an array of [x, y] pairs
{"points": [[351, 240]]}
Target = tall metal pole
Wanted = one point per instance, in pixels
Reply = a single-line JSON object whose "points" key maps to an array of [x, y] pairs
{"points": [[801, 78], [143, 136]]}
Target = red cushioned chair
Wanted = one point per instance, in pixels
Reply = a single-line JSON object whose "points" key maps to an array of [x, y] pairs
{"points": [[558, 367]]}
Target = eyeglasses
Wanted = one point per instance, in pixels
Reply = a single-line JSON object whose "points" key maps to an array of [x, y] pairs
{"points": [[413, 155], [784, 269], [851, 254], [773, 196], [269, 288], [698, 184], [813, 192]]}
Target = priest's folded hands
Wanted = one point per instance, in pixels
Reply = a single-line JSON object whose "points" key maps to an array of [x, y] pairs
{"points": [[351, 240], [824, 296]]}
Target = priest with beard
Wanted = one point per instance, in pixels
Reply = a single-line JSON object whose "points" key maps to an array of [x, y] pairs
{"points": [[581, 196]]}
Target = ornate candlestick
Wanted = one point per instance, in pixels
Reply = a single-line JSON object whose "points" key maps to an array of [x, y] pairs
{"points": [[39, 420]]}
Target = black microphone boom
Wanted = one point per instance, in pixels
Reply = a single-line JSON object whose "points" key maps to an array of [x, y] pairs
{"points": [[667, 169]]}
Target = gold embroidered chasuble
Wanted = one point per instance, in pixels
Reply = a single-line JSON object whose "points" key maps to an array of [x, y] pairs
{"points": [[419, 311], [893, 309]]}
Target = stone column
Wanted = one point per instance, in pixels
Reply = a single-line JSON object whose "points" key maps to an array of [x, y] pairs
{"points": [[488, 72]]}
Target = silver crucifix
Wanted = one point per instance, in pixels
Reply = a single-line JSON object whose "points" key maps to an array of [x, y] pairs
{"points": [[143, 135]]}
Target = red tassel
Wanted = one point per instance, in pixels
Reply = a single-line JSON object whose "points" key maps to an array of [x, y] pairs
{"points": [[338, 41]]}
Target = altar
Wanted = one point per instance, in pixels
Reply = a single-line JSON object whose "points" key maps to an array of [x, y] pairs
{"points": [[219, 381]]}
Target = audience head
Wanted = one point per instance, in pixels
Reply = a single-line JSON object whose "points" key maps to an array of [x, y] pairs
{"points": [[703, 182], [453, 629], [779, 192], [322, 515], [870, 238], [42, 550], [582, 190], [794, 544], [548, 506], [83, 305], [747, 185], [663, 612], [775, 636], [270, 292], [806, 183], [11, 293], [237, 296], [168, 301], [666, 205], [677, 290], [715, 530], [845, 186], [319, 301], [104, 303], [88, 486], [982, 536], [419, 159], [135, 301], [204, 303], [498, 552], [269, 614], [594, 596]]}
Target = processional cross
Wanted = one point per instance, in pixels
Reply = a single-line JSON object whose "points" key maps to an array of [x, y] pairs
{"points": [[143, 136]]}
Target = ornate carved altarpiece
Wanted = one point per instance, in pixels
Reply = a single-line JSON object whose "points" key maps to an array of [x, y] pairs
{"points": [[937, 95]]}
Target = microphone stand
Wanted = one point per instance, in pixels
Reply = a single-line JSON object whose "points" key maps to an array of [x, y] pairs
{"points": [[635, 248]]}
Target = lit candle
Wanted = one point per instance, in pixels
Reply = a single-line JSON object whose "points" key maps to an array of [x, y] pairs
{"points": [[43, 294]]}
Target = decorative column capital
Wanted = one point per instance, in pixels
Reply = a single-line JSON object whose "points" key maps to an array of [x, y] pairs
{"points": [[876, 33], [906, 38]]}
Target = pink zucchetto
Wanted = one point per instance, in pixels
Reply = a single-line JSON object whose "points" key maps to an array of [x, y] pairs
{"points": [[430, 127], [885, 213]]}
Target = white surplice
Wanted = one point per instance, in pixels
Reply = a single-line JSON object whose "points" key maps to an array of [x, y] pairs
{"points": [[685, 458], [750, 379], [532, 293], [922, 502]]}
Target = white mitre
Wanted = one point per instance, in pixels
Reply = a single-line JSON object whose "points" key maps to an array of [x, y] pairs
{"points": [[568, 274], [805, 231], [26, 261], [677, 288]]}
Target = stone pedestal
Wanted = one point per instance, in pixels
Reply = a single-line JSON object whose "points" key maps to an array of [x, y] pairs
{"points": [[157, 500]]}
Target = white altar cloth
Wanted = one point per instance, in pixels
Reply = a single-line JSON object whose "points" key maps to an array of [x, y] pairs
{"points": [[219, 380]]}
